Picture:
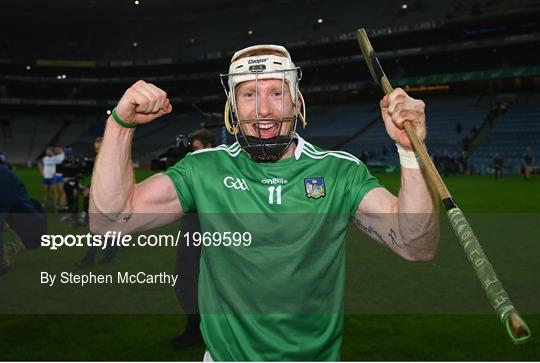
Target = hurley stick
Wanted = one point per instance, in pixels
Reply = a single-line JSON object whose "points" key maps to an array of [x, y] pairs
{"points": [[514, 325]]}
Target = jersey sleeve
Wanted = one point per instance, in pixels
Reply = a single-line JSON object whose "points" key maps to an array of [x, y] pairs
{"points": [[360, 182], [182, 177]]}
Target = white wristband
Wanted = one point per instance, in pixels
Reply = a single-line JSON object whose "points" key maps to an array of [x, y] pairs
{"points": [[407, 158]]}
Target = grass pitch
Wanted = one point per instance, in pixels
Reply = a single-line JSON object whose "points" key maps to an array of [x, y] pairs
{"points": [[394, 310]]}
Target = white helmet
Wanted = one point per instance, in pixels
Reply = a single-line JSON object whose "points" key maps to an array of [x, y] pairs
{"points": [[263, 66]]}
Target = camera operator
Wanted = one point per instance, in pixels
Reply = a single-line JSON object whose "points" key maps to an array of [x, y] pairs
{"points": [[173, 154], [187, 263], [110, 251], [74, 170], [86, 190]]}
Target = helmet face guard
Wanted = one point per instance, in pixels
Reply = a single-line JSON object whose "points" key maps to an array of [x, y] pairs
{"points": [[257, 68]]}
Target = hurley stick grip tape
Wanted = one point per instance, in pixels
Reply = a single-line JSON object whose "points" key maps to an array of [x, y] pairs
{"points": [[512, 322]]}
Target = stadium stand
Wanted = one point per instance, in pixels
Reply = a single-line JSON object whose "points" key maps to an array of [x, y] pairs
{"points": [[515, 131], [154, 138], [329, 126], [412, 43], [28, 138], [444, 113], [190, 33]]}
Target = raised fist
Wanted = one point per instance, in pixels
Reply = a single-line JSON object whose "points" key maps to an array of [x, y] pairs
{"points": [[142, 103], [398, 107]]}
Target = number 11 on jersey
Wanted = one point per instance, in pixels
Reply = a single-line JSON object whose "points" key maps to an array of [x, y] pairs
{"points": [[271, 194]]}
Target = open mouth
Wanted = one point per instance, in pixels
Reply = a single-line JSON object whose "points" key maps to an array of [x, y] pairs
{"points": [[265, 129]]}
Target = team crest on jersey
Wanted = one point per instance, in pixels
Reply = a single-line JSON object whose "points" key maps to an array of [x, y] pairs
{"points": [[315, 187]]}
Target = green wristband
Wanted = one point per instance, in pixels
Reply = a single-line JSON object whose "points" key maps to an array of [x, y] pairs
{"points": [[120, 122]]}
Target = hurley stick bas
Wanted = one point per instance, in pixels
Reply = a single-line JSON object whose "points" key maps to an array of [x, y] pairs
{"points": [[514, 325]]}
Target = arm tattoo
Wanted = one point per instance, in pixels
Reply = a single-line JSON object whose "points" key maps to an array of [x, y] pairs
{"points": [[392, 238], [127, 218], [369, 230]]}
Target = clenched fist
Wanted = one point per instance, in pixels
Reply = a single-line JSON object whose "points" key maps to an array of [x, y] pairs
{"points": [[142, 103], [398, 107]]}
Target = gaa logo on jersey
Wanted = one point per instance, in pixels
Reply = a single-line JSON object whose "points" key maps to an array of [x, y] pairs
{"points": [[315, 187], [235, 183]]}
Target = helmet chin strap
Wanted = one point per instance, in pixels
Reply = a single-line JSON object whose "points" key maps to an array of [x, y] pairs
{"points": [[266, 150]]}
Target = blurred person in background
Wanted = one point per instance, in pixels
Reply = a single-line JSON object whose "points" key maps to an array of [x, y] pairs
{"points": [[498, 164], [527, 162], [83, 219], [110, 252], [47, 168], [20, 212], [201, 139], [61, 202], [187, 263], [3, 159]]}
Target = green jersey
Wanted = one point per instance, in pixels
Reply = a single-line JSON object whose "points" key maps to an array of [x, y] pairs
{"points": [[280, 296]]}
